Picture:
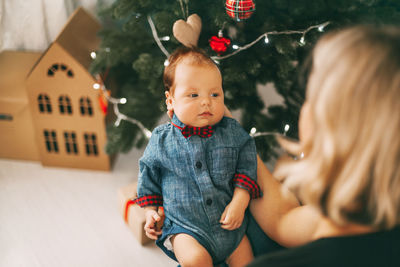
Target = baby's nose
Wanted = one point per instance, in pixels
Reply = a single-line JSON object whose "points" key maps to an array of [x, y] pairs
{"points": [[206, 101]]}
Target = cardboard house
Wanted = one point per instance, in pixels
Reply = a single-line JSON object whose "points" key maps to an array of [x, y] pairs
{"points": [[69, 127], [17, 139]]}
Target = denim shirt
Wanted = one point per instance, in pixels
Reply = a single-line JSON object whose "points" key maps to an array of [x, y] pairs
{"points": [[194, 178]]}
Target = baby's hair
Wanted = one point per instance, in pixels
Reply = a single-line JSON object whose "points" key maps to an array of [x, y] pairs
{"points": [[351, 168], [192, 55]]}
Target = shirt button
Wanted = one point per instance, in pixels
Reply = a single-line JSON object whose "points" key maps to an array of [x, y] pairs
{"points": [[198, 165], [209, 202]]}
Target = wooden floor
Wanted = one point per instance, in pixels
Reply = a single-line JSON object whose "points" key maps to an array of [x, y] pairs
{"points": [[63, 217]]}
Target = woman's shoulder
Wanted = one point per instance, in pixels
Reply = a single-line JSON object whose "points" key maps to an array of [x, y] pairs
{"points": [[372, 249]]}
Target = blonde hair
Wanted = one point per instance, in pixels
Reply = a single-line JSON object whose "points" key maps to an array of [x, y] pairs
{"points": [[351, 168]]}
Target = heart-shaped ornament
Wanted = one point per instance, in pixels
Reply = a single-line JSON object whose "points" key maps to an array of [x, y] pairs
{"points": [[188, 32]]}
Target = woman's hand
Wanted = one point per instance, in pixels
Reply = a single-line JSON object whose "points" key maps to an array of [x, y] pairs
{"points": [[227, 113]]}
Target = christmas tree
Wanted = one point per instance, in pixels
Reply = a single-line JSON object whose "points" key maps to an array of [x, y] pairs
{"points": [[131, 59]]}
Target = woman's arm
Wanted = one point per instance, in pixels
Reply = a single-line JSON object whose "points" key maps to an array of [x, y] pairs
{"points": [[279, 214]]}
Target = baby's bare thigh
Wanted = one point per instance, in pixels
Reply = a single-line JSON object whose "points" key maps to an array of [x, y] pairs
{"points": [[242, 255], [189, 252]]}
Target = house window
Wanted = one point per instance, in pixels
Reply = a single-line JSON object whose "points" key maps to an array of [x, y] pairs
{"points": [[50, 139], [64, 104], [70, 143], [5, 117], [44, 103], [56, 67], [91, 144], [86, 106]]}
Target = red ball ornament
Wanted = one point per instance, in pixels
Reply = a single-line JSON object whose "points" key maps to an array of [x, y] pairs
{"points": [[240, 10], [219, 44]]}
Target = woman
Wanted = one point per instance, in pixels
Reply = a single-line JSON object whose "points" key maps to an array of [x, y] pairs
{"points": [[349, 177]]}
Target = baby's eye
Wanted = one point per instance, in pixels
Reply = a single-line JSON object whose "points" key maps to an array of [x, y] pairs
{"points": [[214, 94], [193, 95]]}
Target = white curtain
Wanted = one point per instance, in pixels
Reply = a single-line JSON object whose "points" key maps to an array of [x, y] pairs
{"points": [[31, 25]]}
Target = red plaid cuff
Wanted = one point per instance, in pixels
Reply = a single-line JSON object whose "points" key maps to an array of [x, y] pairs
{"points": [[150, 200], [242, 181]]}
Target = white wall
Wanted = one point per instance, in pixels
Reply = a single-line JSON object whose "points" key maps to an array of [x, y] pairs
{"points": [[33, 24]]}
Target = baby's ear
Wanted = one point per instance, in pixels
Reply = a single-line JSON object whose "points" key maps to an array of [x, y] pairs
{"points": [[168, 100]]}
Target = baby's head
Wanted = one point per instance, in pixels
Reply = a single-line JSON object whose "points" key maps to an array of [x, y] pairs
{"points": [[193, 85], [352, 148]]}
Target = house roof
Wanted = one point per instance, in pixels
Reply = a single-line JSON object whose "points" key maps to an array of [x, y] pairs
{"points": [[79, 36]]}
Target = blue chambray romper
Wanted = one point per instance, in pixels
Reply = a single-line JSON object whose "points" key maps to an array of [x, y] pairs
{"points": [[194, 176]]}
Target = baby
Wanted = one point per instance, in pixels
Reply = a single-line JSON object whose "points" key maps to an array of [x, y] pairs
{"points": [[201, 168]]}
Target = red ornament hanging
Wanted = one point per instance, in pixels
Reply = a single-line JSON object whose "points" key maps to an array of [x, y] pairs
{"points": [[240, 9], [103, 102], [219, 44], [103, 95]]}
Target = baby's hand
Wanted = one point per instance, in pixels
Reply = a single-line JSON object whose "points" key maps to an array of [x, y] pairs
{"points": [[153, 221], [232, 217]]}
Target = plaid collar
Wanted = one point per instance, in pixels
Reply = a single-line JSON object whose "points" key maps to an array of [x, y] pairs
{"points": [[188, 131]]}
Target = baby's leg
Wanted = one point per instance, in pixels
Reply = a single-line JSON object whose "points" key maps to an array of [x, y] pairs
{"points": [[189, 252], [242, 255]]}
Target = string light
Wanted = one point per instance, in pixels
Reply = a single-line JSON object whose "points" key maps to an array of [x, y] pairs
{"points": [[253, 132], [155, 36], [286, 129], [216, 59], [165, 38], [302, 41], [115, 102], [96, 86], [264, 35], [237, 48]]}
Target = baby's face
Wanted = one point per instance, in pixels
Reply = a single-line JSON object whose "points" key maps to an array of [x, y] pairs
{"points": [[198, 99]]}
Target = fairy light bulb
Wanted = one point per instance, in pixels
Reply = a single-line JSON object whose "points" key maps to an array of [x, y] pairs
{"points": [[286, 129], [122, 100], [321, 28], [93, 55], [165, 38], [147, 133], [253, 131], [235, 46], [302, 41], [96, 86], [266, 40], [166, 62], [117, 122]]}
